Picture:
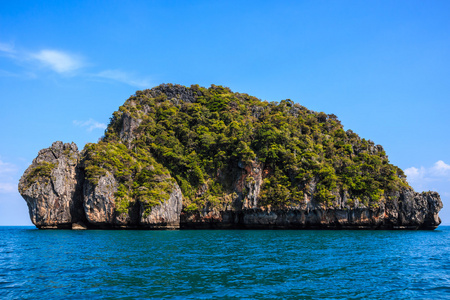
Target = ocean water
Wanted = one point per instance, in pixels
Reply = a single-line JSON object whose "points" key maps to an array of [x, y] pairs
{"points": [[224, 264]]}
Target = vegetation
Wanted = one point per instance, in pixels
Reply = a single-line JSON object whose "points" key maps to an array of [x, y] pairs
{"points": [[202, 142], [40, 173], [138, 175]]}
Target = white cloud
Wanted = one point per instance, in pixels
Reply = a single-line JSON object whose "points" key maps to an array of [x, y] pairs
{"points": [[62, 62], [125, 77], [90, 124], [7, 181], [439, 172], [58, 61], [414, 174], [440, 168]]}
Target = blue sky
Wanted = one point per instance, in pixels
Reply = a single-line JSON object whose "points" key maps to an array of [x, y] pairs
{"points": [[382, 67]]}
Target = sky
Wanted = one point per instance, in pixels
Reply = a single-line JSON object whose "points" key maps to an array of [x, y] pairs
{"points": [[382, 67]]}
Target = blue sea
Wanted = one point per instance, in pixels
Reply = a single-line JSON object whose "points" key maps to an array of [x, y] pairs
{"points": [[224, 264]]}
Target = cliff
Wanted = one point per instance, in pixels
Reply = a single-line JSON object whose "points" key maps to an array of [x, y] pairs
{"points": [[178, 157]]}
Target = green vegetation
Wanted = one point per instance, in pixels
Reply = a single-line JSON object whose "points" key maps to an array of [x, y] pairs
{"points": [[40, 173], [201, 143], [139, 176]]}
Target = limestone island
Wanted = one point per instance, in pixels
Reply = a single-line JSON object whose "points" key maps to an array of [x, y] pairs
{"points": [[194, 157]]}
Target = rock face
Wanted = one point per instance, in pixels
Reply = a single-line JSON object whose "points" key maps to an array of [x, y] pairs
{"points": [[58, 196], [166, 215], [130, 178], [52, 187], [98, 202], [404, 209]]}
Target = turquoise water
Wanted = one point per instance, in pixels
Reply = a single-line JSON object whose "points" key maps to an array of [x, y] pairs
{"points": [[211, 264]]}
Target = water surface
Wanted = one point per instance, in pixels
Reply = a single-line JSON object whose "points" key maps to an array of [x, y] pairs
{"points": [[227, 264]]}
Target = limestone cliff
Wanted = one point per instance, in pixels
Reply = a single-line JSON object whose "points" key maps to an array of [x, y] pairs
{"points": [[403, 209], [178, 157], [58, 196], [52, 187]]}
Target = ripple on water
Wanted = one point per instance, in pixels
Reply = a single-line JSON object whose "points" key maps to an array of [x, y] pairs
{"points": [[224, 264]]}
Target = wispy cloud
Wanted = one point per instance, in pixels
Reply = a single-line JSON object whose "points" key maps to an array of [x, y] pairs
{"points": [[7, 180], [55, 60], [63, 63], [58, 61], [7, 187], [6, 48], [4, 73], [125, 77], [440, 171], [7, 168], [90, 124]]}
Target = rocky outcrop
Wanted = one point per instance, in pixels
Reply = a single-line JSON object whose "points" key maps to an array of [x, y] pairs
{"points": [[129, 125], [52, 187], [239, 161], [410, 210], [58, 196], [405, 210], [250, 181], [164, 216], [173, 92], [98, 202]]}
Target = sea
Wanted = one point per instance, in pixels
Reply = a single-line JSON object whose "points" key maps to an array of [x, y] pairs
{"points": [[224, 264]]}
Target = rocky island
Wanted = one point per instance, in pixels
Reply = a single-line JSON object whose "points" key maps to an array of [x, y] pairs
{"points": [[193, 157]]}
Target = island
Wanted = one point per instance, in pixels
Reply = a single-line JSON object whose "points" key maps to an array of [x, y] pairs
{"points": [[176, 157]]}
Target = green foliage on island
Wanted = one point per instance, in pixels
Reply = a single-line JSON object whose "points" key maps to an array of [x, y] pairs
{"points": [[40, 173], [200, 144], [138, 175]]}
